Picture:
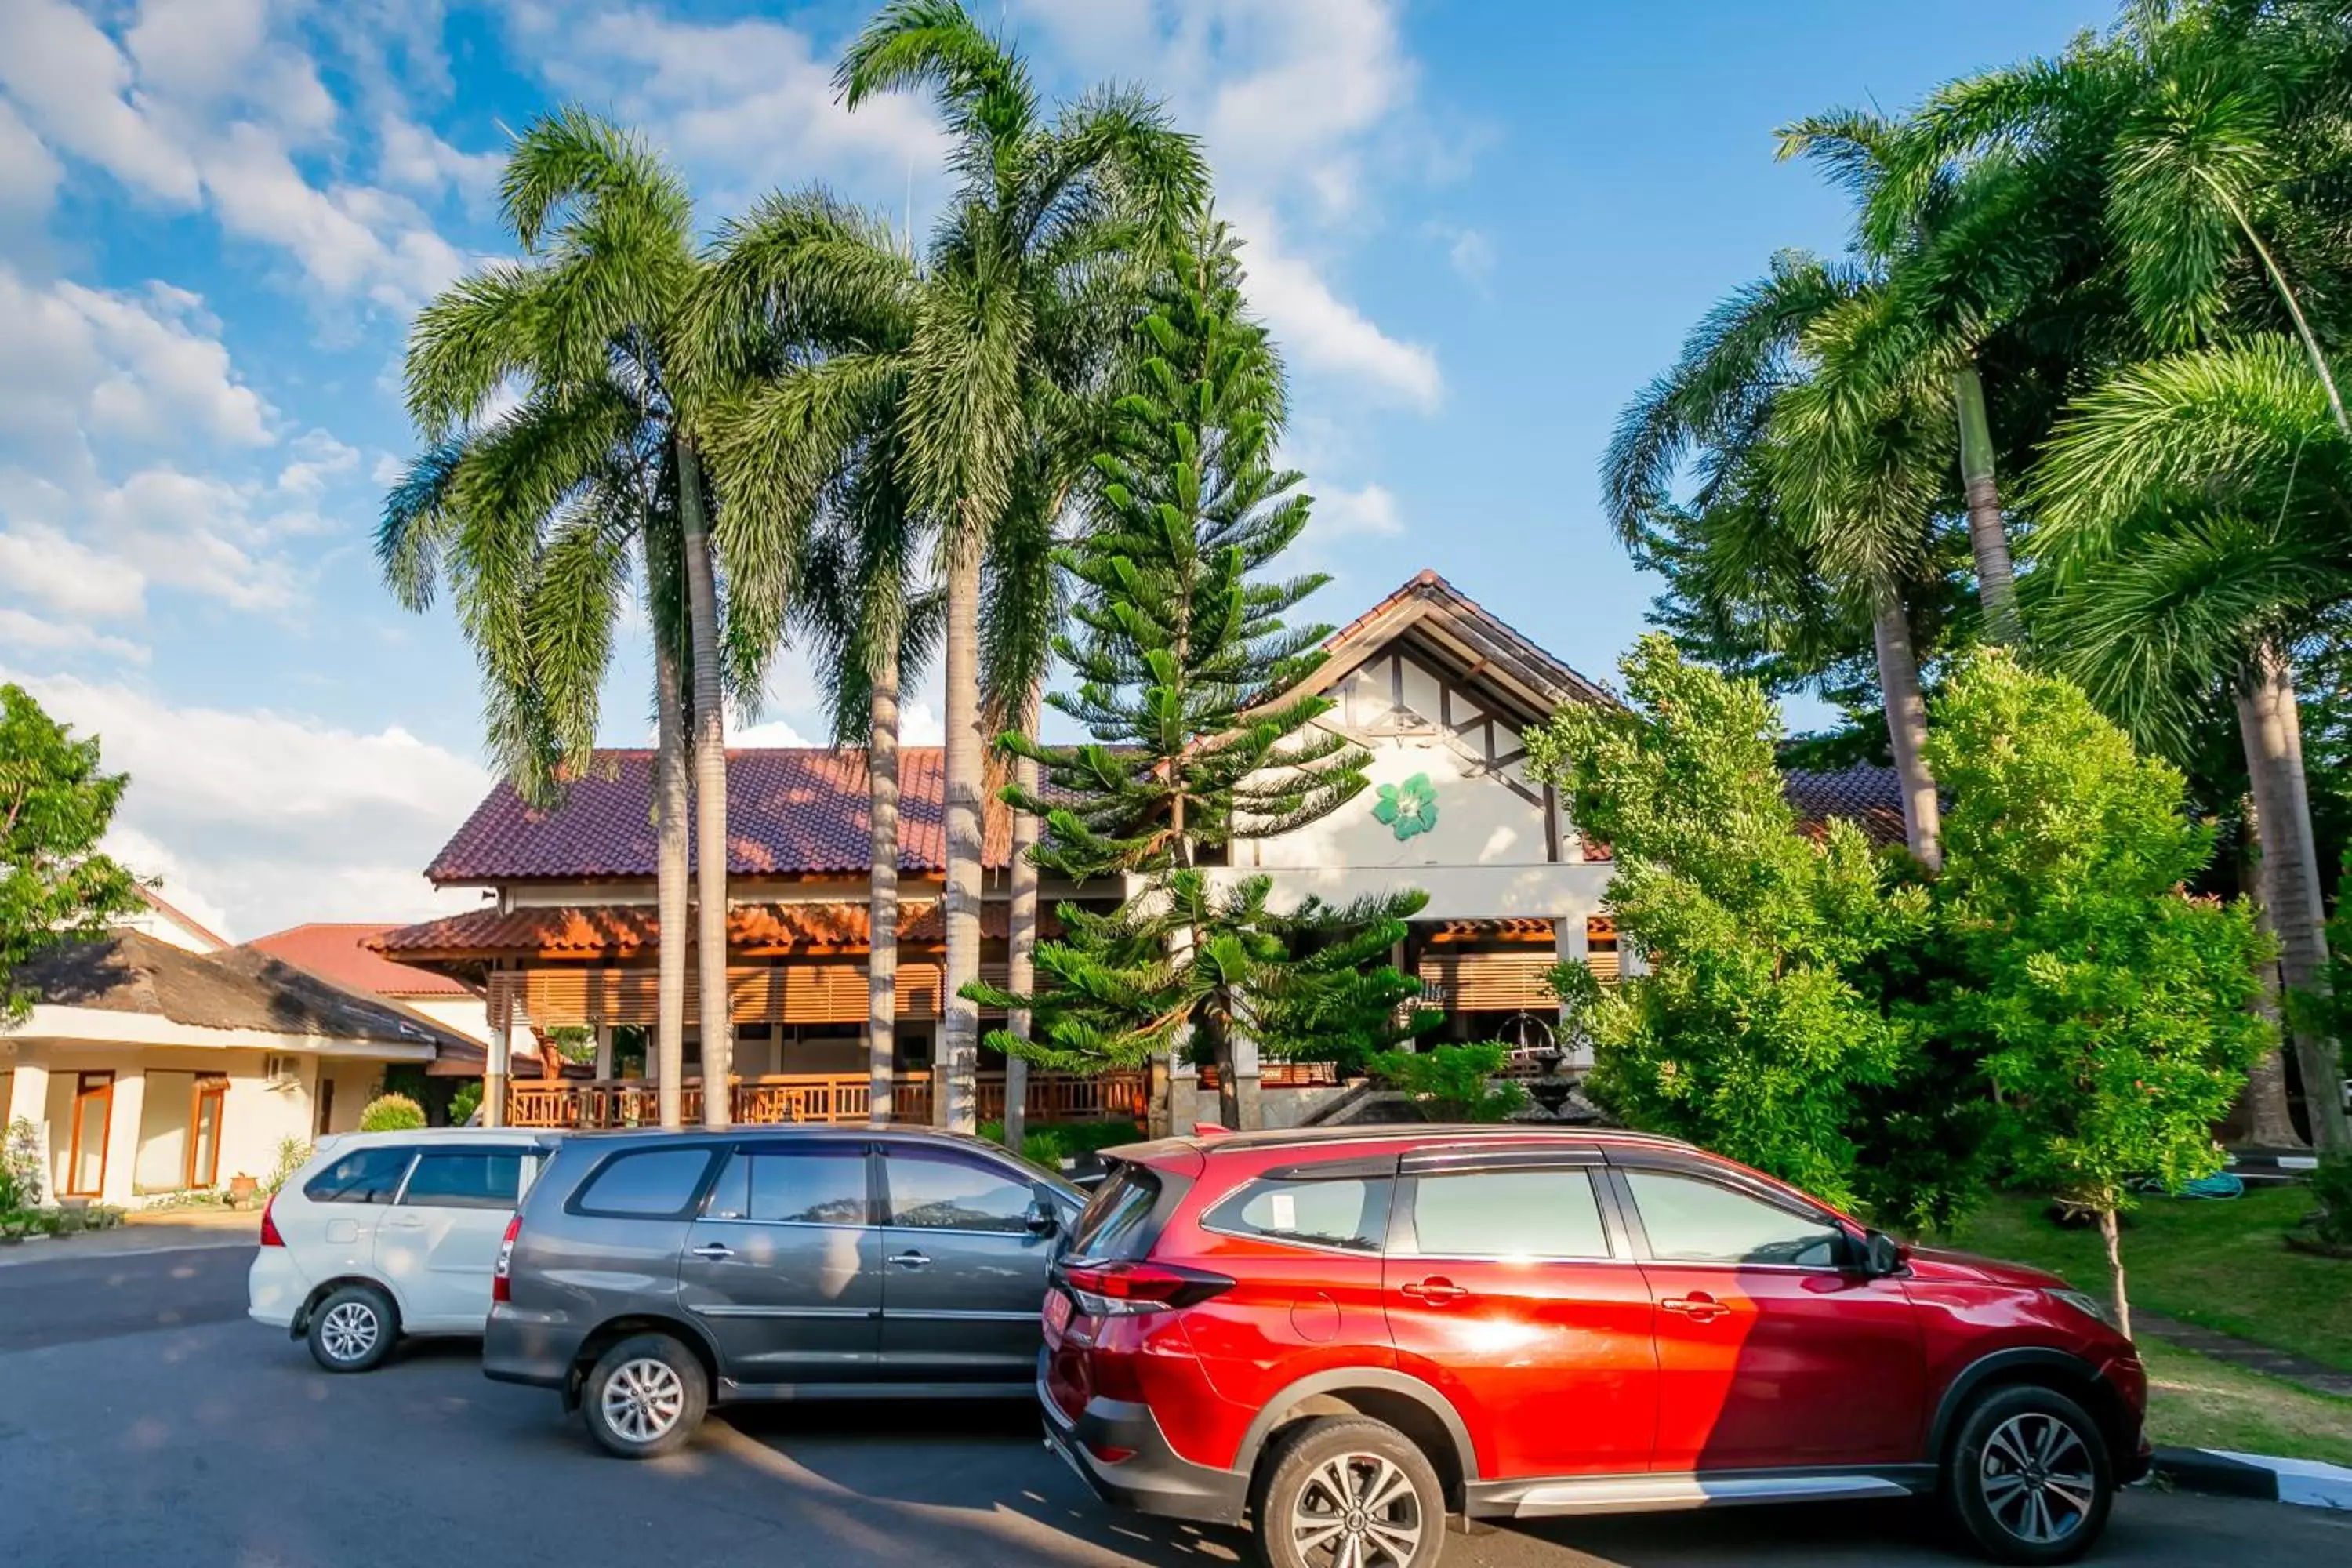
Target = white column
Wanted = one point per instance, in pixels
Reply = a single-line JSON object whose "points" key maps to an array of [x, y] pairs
{"points": [[604, 1051], [123, 1135], [28, 1101], [1574, 943], [496, 1068]]}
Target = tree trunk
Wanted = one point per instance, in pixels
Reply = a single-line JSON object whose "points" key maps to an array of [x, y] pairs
{"points": [[2111, 1232], [955, 1074], [1907, 729], [668, 1047], [2269, 1123], [714, 1015], [1996, 578], [1021, 944], [882, 899], [2271, 731]]}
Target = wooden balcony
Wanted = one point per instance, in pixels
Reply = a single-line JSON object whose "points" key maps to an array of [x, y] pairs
{"points": [[827, 1098]]}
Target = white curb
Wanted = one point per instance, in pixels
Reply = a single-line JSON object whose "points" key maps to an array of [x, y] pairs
{"points": [[2308, 1483]]}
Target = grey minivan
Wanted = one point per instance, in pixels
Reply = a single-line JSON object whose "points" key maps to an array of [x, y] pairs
{"points": [[651, 1274]]}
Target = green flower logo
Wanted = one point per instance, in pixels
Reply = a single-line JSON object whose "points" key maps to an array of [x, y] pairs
{"points": [[1408, 808]]}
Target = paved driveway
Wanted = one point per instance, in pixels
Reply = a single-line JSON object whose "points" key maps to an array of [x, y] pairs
{"points": [[144, 1419]]}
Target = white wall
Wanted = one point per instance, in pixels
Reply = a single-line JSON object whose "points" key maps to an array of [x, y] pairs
{"points": [[466, 1014]]}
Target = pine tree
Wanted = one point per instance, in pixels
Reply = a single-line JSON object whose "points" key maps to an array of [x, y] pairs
{"points": [[1189, 681]]}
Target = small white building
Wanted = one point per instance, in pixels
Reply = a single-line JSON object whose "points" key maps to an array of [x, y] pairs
{"points": [[147, 1068]]}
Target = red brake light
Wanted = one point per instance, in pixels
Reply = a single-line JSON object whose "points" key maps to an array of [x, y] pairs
{"points": [[1131, 1290], [269, 1237], [500, 1291]]}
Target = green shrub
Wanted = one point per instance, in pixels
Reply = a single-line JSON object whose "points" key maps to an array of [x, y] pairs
{"points": [[1047, 1147], [392, 1113], [292, 1153], [465, 1103], [1453, 1083], [2331, 1184], [20, 1158]]}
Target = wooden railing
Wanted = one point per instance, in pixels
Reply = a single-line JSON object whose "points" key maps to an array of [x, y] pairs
{"points": [[820, 1097]]}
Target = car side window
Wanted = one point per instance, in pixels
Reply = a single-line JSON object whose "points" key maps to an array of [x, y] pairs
{"points": [[647, 1183], [466, 1179], [1331, 1211], [933, 1191], [1507, 1213], [813, 1187], [362, 1176], [1690, 1220]]}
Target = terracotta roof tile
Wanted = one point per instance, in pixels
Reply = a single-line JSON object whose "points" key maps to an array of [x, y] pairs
{"points": [[790, 811], [341, 952], [1865, 793]]}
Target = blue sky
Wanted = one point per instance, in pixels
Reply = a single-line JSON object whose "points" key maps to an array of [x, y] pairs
{"points": [[1475, 228]]}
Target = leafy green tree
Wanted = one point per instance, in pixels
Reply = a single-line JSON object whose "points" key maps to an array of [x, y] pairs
{"points": [[532, 514], [56, 801], [1036, 261], [1454, 1083], [1188, 680], [1776, 1023], [392, 1113], [2115, 1010]]}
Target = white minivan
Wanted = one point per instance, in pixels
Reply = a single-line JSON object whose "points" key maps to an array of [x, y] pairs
{"points": [[386, 1234]]}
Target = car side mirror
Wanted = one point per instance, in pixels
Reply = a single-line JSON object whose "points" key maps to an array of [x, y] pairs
{"points": [[1881, 1254], [1042, 1220]]}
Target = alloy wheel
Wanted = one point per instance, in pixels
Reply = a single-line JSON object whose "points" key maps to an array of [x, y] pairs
{"points": [[1357, 1511], [643, 1399], [349, 1331], [2037, 1478]]}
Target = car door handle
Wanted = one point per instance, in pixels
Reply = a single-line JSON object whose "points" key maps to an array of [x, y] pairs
{"points": [[912, 1260], [714, 1251], [1436, 1290], [1698, 1307], [405, 1222]]}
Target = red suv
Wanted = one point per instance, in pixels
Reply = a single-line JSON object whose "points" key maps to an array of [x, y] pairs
{"points": [[1348, 1335]]}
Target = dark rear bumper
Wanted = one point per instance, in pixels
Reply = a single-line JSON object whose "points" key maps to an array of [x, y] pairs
{"points": [[1152, 1479], [516, 1349]]}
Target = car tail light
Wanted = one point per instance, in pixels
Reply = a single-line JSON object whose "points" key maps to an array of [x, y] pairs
{"points": [[500, 1290], [269, 1237], [1132, 1290]]}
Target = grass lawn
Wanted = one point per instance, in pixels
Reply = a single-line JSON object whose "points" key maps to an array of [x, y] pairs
{"points": [[2221, 1265], [2196, 1401]]}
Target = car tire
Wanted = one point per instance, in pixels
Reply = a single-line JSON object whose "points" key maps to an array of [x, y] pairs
{"points": [[1348, 1479], [645, 1396], [353, 1329], [2028, 1476]]}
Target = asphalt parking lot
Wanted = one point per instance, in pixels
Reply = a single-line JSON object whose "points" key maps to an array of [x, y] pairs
{"points": [[144, 1419]]}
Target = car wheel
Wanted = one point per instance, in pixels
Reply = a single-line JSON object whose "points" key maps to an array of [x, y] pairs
{"points": [[353, 1329], [1347, 1490], [646, 1396], [2028, 1477]]}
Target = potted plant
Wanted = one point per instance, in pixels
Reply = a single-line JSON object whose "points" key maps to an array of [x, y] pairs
{"points": [[242, 1189]]}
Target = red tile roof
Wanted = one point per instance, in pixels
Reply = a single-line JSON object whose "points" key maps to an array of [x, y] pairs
{"points": [[790, 812], [1865, 793], [344, 954], [626, 931]]}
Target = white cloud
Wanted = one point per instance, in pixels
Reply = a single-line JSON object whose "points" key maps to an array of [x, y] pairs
{"points": [[1472, 255], [767, 733], [41, 564], [29, 172], [273, 818], [413, 158], [919, 724], [1369, 512], [348, 238], [22, 630], [1320, 333], [75, 87]]}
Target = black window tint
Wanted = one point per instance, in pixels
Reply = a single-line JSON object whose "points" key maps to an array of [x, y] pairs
{"points": [[1509, 1214], [1693, 1221], [466, 1179], [648, 1185], [1344, 1211], [938, 1192], [362, 1176], [1117, 1224]]}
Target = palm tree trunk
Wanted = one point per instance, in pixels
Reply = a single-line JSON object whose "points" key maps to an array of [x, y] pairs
{"points": [[2271, 731], [1996, 577], [710, 799], [2269, 1121], [1021, 937], [882, 899], [670, 874], [954, 1076], [1907, 729]]}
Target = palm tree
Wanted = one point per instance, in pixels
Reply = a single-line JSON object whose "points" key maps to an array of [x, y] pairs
{"points": [[1796, 479], [1037, 249], [2195, 526], [536, 513]]}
